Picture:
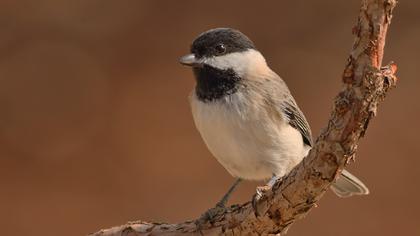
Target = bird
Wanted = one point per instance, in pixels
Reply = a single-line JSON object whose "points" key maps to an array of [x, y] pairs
{"points": [[246, 114]]}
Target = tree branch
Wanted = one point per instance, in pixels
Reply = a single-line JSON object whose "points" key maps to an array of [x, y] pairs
{"points": [[290, 199]]}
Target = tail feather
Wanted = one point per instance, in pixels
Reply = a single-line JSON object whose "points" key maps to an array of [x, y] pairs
{"points": [[348, 185]]}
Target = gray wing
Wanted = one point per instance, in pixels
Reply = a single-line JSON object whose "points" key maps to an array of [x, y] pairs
{"points": [[279, 90], [297, 120]]}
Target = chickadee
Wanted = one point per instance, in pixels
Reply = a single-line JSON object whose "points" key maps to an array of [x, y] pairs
{"points": [[245, 113]]}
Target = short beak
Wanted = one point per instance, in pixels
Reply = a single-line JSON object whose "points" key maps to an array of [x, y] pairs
{"points": [[190, 60]]}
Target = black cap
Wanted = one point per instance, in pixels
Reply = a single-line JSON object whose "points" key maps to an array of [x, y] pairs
{"points": [[219, 41]]}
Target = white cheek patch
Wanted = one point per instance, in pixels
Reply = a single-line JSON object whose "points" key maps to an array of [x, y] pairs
{"points": [[240, 62]]}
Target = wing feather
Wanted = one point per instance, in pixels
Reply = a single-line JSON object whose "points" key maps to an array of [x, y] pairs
{"points": [[297, 120]]}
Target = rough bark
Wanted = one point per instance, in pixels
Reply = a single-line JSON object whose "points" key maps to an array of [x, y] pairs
{"points": [[290, 199]]}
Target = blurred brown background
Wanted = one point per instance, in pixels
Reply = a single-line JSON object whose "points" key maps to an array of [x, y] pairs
{"points": [[96, 130]]}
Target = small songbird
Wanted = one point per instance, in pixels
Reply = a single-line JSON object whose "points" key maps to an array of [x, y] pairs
{"points": [[246, 114]]}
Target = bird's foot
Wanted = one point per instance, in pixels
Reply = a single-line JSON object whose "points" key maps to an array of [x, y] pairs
{"points": [[260, 206], [211, 214], [261, 190]]}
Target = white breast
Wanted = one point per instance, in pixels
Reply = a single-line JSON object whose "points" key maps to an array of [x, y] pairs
{"points": [[245, 140]]}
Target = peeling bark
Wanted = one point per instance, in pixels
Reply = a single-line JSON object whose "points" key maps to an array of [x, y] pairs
{"points": [[291, 199]]}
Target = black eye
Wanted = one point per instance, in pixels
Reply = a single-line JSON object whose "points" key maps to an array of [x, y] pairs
{"points": [[220, 48]]}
